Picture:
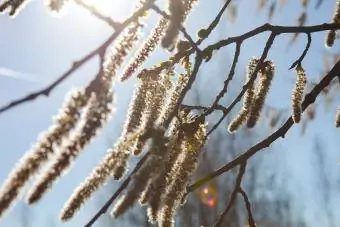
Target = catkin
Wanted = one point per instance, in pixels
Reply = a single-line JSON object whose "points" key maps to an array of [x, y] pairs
{"points": [[173, 97], [146, 49], [120, 50], [97, 114], [266, 76], [95, 180], [337, 119], [331, 35], [45, 147], [298, 92], [243, 114], [156, 97]]}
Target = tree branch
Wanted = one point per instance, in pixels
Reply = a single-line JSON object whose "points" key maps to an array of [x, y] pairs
{"points": [[251, 221], [233, 195]]}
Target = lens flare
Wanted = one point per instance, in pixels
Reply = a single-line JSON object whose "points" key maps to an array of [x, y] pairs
{"points": [[208, 196]]}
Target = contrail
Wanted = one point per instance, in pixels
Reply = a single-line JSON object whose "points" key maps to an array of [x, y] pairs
{"points": [[7, 72]]}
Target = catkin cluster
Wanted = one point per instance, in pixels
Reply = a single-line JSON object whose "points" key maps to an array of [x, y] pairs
{"points": [[147, 111], [47, 145], [331, 35], [161, 182], [255, 96]]}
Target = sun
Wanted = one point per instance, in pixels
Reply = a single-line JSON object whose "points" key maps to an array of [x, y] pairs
{"points": [[116, 8]]}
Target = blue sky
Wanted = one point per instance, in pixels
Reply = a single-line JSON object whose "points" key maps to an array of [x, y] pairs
{"points": [[36, 48]]}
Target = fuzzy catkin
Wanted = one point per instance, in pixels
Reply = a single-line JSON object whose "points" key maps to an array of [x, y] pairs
{"points": [[146, 49], [266, 76], [298, 92], [337, 118], [120, 50], [95, 180], [173, 97], [243, 114], [97, 114], [156, 97], [331, 35], [14, 6], [44, 148]]}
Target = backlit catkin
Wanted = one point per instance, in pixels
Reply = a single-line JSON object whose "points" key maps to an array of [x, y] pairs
{"points": [[298, 92], [331, 35], [99, 109], [45, 147], [243, 114]]}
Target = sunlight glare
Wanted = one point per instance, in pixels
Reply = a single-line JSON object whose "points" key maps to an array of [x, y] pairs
{"points": [[106, 7]]}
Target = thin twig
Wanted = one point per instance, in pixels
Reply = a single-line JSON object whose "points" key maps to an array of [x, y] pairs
{"points": [[273, 28], [251, 221], [298, 61], [233, 195], [215, 22], [227, 81]]}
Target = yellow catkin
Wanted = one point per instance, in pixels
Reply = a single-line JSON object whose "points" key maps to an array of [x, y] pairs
{"points": [[45, 147], [337, 119], [331, 35], [298, 92], [146, 49], [180, 174], [97, 114], [14, 6], [266, 76], [242, 116]]}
